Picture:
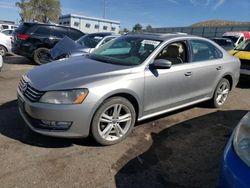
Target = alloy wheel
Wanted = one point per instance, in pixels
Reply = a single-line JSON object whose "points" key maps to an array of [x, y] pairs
{"points": [[222, 93], [114, 122]]}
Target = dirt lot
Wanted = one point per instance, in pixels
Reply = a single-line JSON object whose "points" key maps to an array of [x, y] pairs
{"points": [[181, 149]]}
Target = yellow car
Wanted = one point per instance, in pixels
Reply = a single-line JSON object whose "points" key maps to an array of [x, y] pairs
{"points": [[242, 51]]}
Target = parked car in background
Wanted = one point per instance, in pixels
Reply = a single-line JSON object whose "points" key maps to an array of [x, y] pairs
{"points": [[242, 51], [86, 44], [8, 32], [133, 77], [235, 167], [237, 36], [5, 44], [34, 40], [92, 41], [1, 63], [7, 26], [225, 43]]}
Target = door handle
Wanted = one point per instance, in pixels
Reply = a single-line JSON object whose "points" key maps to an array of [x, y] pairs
{"points": [[219, 68], [188, 74]]}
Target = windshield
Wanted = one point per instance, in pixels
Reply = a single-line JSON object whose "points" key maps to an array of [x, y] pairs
{"points": [[233, 38], [244, 46], [90, 41], [127, 50]]}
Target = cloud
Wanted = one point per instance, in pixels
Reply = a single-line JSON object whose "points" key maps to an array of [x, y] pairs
{"points": [[193, 2], [207, 2], [215, 4], [218, 4], [173, 1], [7, 5], [74, 11]]}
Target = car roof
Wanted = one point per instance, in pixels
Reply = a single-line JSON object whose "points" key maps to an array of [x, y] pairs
{"points": [[50, 24], [162, 36], [103, 34]]}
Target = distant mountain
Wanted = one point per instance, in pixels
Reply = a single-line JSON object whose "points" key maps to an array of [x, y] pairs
{"points": [[219, 23]]}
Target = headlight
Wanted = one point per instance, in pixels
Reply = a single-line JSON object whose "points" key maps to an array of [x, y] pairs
{"points": [[241, 140], [75, 96]]}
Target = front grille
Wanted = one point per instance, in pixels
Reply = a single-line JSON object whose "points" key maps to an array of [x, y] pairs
{"points": [[29, 92], [245, 64]]}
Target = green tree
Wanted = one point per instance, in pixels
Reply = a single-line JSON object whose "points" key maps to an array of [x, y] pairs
{"points": [[25, 12], [39, 10], [149, 28], [137, 28]]}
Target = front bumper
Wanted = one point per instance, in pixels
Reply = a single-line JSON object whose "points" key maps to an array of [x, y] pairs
{"points": [[79, 115], [234, 172]]}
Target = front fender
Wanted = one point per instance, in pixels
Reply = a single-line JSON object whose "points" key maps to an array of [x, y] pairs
{"points": [[117, 93]]}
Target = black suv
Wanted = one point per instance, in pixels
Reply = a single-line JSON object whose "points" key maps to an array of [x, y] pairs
{"points": [[34, 40]]}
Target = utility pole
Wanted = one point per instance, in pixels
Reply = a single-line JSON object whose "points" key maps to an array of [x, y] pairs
{"points": [[104, 8]]}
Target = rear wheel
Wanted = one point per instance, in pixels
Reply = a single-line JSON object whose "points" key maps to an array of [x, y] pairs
{"points": [[221, 93], [42, 56], [3, 50], [113, 121]]}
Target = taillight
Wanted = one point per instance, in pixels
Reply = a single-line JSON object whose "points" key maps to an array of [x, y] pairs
{"points": [[22, 36]]}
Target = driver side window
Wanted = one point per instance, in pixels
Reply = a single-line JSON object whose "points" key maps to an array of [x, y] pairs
{"points": [[175, 52]]}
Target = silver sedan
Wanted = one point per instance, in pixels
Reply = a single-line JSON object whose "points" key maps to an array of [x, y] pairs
{"points": [[132, 78]]}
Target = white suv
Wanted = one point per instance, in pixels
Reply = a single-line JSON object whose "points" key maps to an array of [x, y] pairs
{"points": [[5, 44]]}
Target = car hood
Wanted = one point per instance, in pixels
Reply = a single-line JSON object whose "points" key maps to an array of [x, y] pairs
{"points": [[75, 72], [240, 54], [70, 47]]}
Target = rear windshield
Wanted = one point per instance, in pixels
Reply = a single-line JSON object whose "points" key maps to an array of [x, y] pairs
{"points": [[23, 28], [90, 40], [233, 38], [223, 42]]}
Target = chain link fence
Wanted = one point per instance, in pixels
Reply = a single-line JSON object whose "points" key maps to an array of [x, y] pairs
{"points": [[208, 32]]}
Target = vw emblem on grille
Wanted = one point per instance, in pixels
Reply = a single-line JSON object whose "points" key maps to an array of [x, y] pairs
{"points": [[24, 87]]}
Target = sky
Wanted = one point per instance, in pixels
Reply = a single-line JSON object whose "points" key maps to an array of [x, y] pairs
{"points": [[157, 13]]}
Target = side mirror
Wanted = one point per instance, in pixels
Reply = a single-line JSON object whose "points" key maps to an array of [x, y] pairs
{"points": [[161, 64]]}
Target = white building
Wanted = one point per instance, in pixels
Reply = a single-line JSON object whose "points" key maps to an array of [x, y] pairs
{"points": [[89, 24]]}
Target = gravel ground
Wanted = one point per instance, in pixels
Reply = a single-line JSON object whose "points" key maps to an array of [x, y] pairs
{"points": [[179, 149]]}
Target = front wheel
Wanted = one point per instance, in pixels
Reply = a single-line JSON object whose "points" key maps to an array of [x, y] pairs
{"points": [[113, 121], [3, 50], [221, 93]]}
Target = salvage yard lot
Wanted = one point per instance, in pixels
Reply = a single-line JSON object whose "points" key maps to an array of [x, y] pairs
{"points": [[180, 149]]}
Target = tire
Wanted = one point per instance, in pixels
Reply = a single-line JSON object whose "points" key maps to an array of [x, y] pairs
{"points": [[115, 130], [41, 56], [3, 50], [221, 93], [1, 63]]}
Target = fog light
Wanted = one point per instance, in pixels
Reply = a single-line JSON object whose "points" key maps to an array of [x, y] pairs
{"points": [[56, 125]]}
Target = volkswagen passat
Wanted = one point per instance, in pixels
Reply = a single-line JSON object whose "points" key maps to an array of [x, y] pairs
{"points": [[129, 79]]}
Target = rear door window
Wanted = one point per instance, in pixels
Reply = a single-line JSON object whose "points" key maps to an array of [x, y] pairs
{"points": [[43, 30], [59, 32], [204, 51], [74, 34]]}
